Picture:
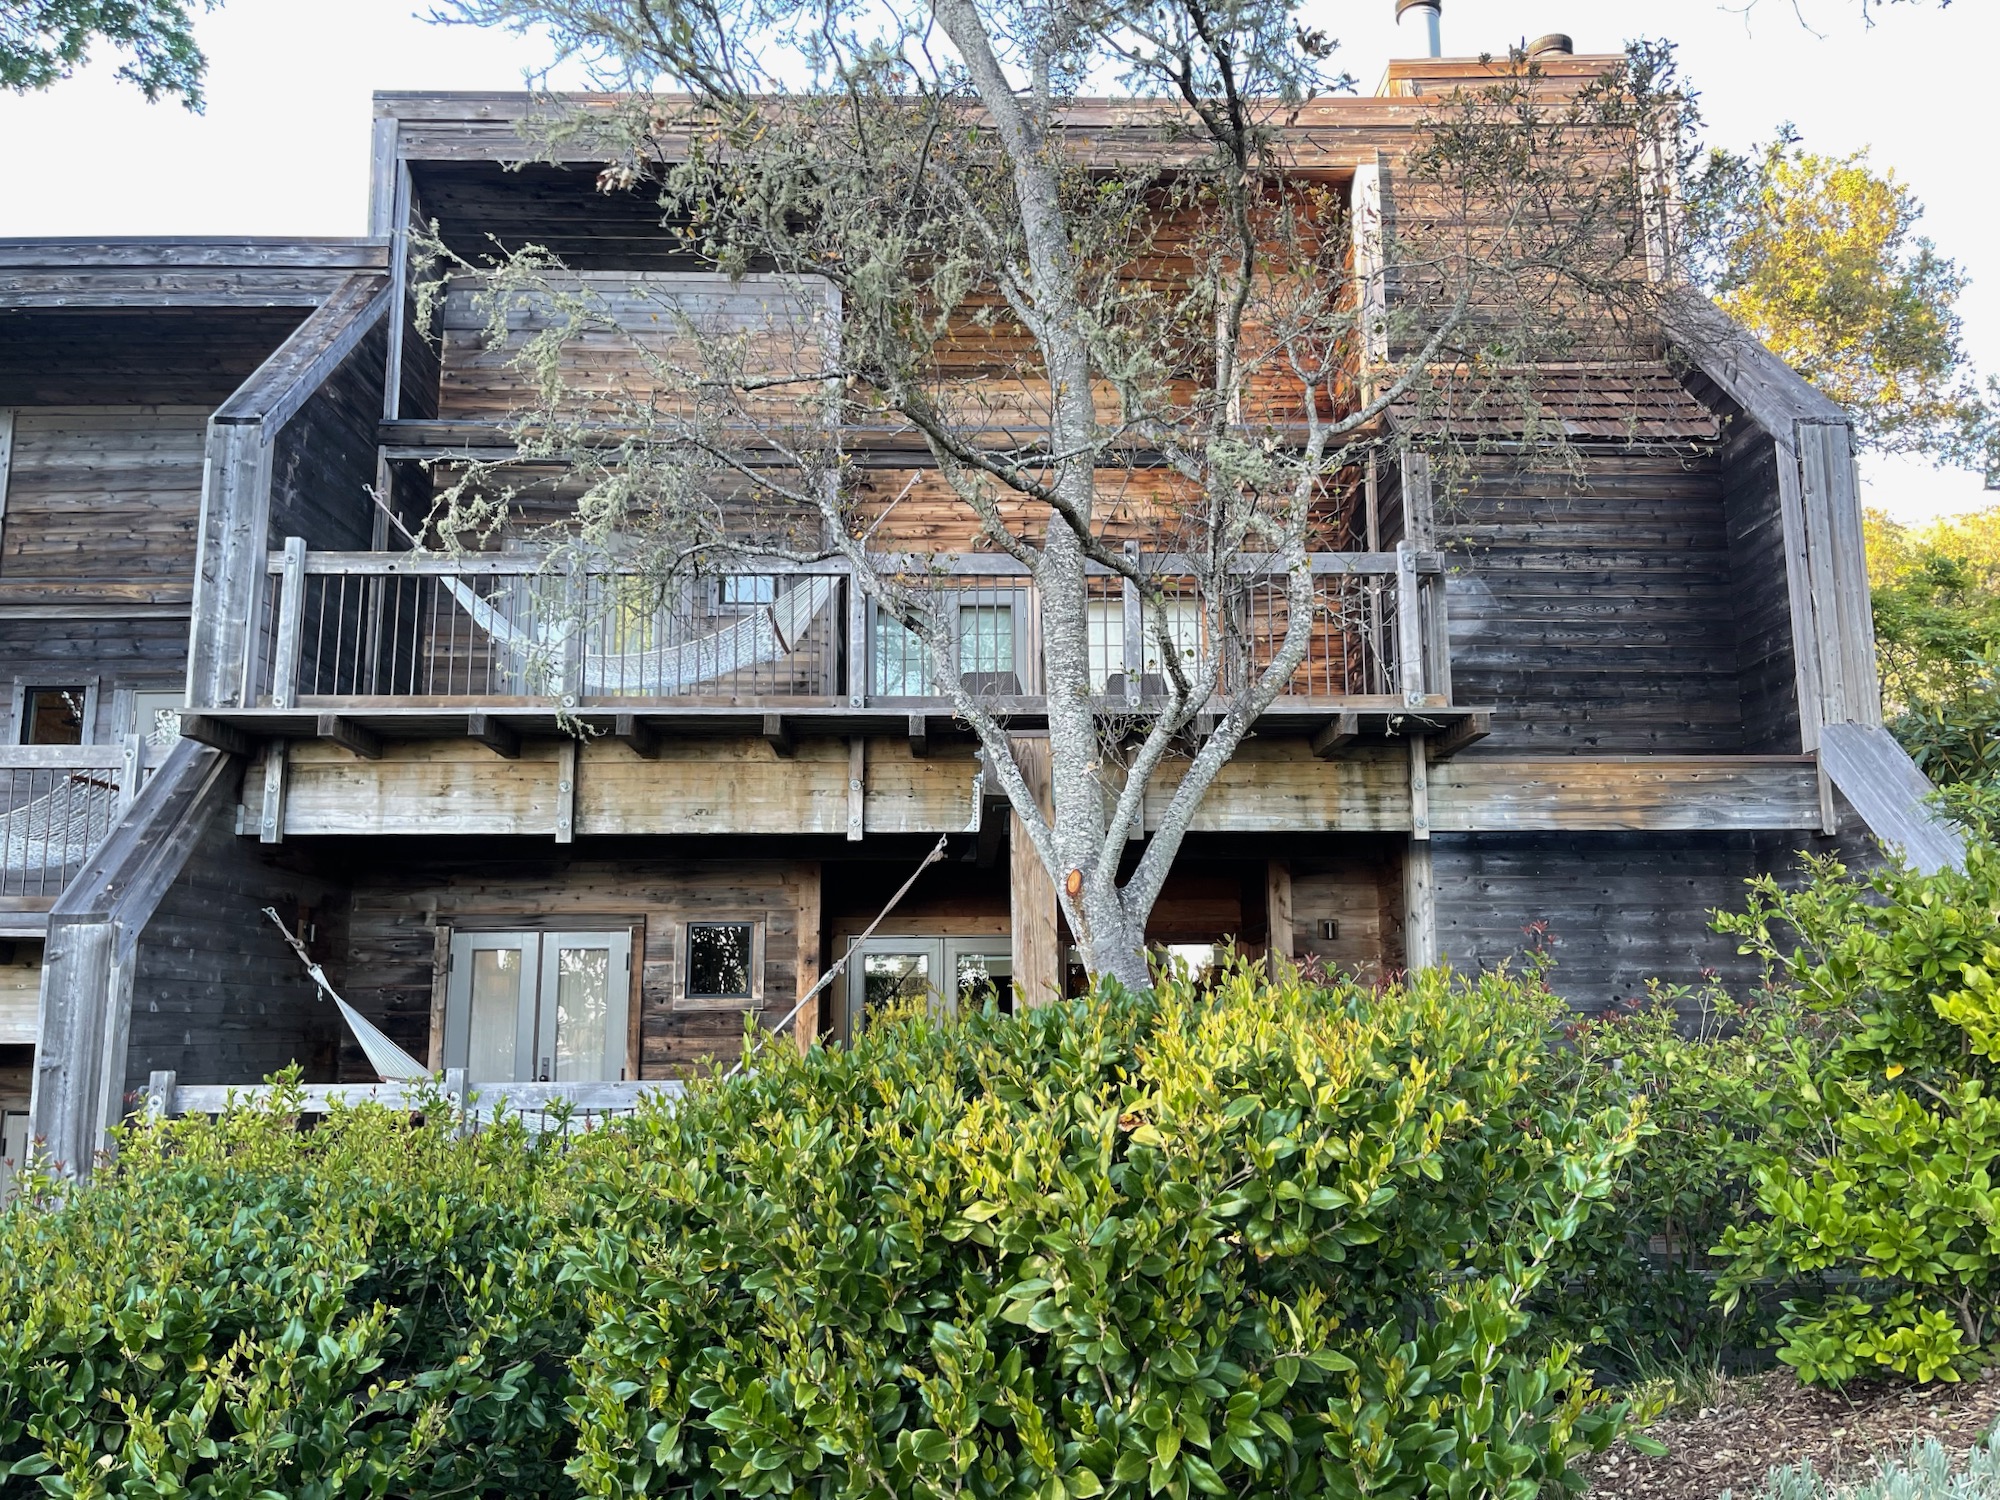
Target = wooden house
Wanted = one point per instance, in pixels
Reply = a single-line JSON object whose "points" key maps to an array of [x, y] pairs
{"points": [[1625, 695], [115, 358]]}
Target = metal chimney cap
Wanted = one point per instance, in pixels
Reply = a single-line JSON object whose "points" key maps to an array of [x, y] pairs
{"points": [[1555, 44], [1403, 5]]}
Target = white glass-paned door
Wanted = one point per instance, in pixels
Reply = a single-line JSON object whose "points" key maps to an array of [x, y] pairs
{"points": [[586, 979], [952, 972], [538, 1007]]}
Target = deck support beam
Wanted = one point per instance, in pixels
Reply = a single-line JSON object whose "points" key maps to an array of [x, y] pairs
{"points": [[637, 735], [495, 734], [351, 736]]}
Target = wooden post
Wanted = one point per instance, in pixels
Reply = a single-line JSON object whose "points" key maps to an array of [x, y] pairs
{"points": [[457, 1097], [291, 624], [566, 768], [1409, 628], [1280, 938], [805, 1025], [132, 772], [1420, 788], [160, 1095], [857, 643], [64, 1109], [1031, 893], [271, 821], [1420, 942], [857, 788]]}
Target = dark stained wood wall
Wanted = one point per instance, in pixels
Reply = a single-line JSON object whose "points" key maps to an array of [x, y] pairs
{"points": [[1620, 908], [1601, 619], [102, 505], [217, 996], [170, 356], [1766, 662], [323, 461]]}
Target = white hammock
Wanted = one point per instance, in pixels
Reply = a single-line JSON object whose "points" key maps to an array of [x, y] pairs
{"points": [[767, 634], [59, 828]]}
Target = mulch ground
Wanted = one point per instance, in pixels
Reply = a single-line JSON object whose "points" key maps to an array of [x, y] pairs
{"points": [[1766, 1420]]}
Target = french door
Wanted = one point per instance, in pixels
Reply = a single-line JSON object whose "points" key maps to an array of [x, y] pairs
{"points": [[538, 1007], [949, 972]]}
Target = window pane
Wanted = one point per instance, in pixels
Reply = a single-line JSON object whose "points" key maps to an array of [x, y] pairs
{"points": [[986, 979], [54, 716], [986, 638], [496, 1015], [1105, 620], [889, 977], [902, 665], [156, 718], [1183, 620], [747, 588], [583, 1005], [719, 956]]}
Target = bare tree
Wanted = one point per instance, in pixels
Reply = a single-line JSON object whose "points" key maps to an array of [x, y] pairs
{"points": [[1065, 305]]}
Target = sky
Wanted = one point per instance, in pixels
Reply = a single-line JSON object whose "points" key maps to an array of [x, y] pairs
{"points": [[283, 146]]}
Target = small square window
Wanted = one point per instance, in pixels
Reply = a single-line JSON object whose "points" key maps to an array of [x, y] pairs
{"points": [[52, 716], [721, 961]]}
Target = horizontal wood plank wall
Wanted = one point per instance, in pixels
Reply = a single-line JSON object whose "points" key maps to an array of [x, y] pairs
{"points": [[217, 996], [1596, 620], [323, 460], [731, 786], [633, 340], [1766, 661], [102, 505], [396, 914], [192, 356], [1620, 908]]}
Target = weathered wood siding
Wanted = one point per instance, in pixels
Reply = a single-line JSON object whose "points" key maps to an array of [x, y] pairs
{"points": [[148, 654], [182, 356], [1620, 909], [1596, 619], [323, 460], [1766, 660], [400, 904], [102, 505], [216, 995]]}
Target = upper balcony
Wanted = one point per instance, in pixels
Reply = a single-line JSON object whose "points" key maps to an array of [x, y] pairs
{"points": [[364, 645]]}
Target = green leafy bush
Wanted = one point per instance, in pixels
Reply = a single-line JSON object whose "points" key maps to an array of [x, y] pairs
{"points": [[1724, 1082], [1885, 1196], [241, 1308], [1273, 1239]]}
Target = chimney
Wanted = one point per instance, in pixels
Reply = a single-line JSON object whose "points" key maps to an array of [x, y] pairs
{"points": [[1555, 44], [1427, 13]]}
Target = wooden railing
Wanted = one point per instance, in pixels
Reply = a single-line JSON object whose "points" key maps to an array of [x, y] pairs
{"points": [[538, 1105], [58, 803], [351, 629]]}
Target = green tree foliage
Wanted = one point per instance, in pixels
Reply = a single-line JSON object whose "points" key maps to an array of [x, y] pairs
{"points": [[1276, 1239], [1936, 593], [1819, 256], [1885, 1193], [43, 42]]}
